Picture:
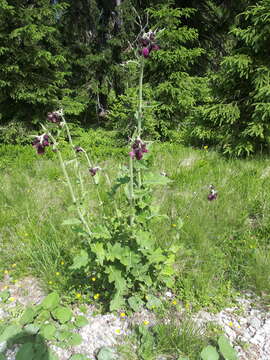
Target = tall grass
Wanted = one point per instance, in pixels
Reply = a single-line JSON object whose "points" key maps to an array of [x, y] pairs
{"points": [[224, 244]]}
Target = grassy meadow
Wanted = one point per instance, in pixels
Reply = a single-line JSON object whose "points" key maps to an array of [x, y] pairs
{"points": [[224, 243]]}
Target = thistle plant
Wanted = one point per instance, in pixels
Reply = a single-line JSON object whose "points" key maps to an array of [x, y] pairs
{"points": [[120, 250]]}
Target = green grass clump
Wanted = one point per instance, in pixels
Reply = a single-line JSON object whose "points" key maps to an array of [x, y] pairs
{"points": [[224, 244]]}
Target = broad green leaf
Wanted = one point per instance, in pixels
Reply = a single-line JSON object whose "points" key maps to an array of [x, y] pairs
{"points": [[117, 301], [101, 232], [51, 301], [62, 314], [10, 332], [115, 276], [26, 352], [98, 249], [209, 353], [48, 331], [106, 353], [81, 321], [62, 335], [27, 316], [156, 256], [135, 303], [226, 349], [43, 316], [72, 221], [153, 302], [80, 260], [145, 240], [75, 340], [156, 179], [31, 329]]}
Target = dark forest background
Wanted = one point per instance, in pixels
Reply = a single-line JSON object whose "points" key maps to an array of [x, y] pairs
{"points": [[208, 83]]}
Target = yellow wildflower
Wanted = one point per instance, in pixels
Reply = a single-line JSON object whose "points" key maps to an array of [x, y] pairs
{"points": [[11, 299], [62, 262], [5, 287], [174, 225], [6, 272], [118, 331], [13, 265], [93, 279], [78, 295], [57, 273], [230, 323], [50, 282], [96, 296], [174, 302], [205, 147], [122, 315], [146, 322]]}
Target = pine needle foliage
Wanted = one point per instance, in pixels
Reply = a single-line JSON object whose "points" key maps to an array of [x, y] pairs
{"points": [[33, 63], [238, 117]]}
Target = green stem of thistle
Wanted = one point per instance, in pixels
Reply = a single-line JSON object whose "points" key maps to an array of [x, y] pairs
{"points": [[72, 193], [140, 98], [131, 191], [140, 115], [76, 157]]}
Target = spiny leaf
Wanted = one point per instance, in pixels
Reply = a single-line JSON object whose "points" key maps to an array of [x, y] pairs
{"points": [[80, 260]]}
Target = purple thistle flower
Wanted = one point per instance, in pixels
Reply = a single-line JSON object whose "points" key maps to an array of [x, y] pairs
{"points": [[145, 52], [54, 117], [213, 193], [40, 143], [138, 148], [94, 170], [147, 43], [78, 149]]}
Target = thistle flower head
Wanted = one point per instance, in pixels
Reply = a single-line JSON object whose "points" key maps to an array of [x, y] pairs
{"points": [[40, 142], [138, 148], [54, 117], [147, 43], [94, 170], [213, 193]]}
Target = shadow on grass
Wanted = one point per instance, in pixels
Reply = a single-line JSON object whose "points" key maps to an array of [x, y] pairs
{"points": [[27, 345]]}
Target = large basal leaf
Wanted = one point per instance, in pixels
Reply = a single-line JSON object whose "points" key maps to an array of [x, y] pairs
{"points": [[10, 332], [209, 353], [117, 301], [62, 314], [98, 249], [48, 331], [80, 260], [156, 179], [135, 303], [81, 321], [26, 352], [31, 329], [27, 316], [106, 353], [51, 301], [75, 340], [226, 349]]}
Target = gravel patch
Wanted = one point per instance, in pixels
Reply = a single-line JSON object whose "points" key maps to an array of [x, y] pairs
{"points": [[247, 324]]}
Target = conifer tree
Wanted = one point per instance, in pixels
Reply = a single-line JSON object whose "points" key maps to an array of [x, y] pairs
{"points": [[238, 120], [33, 62]]}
